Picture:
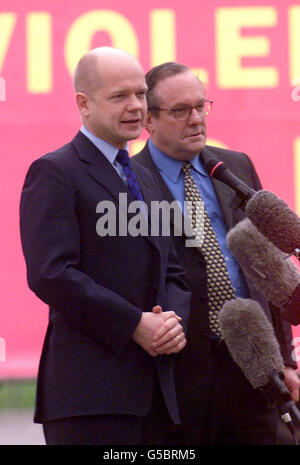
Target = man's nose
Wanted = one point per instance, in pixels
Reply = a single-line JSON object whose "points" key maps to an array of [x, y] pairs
{"points": [[134, 103], [196, 117]]}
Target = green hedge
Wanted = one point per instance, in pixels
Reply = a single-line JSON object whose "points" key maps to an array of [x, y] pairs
{"points": [[19, 394]]}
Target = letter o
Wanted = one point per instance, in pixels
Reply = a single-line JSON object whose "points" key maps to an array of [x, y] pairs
{"points": [[80, 34]]}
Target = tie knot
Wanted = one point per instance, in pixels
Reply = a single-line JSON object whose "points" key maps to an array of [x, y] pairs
{"points": [[123, 157], [186, 166]]}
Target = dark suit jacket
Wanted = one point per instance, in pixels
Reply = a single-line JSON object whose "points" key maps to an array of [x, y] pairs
{"points": [[193, 367], [96, 287]]}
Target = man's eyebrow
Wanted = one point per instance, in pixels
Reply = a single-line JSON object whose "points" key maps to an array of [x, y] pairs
{"points": [[184, 104], [126, 91]]}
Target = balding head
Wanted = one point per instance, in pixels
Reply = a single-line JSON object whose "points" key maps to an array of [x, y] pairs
{"points": [[111, 94], [93, 66]]}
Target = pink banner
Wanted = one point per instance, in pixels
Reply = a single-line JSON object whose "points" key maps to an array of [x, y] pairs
{"points": [[247, 53]]}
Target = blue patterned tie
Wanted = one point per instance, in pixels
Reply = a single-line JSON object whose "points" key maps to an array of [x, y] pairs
{"points": [[133, 186]]}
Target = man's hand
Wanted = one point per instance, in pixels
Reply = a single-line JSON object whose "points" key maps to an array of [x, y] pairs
{"points": [[170, 337], [292, 382], [149, 324], [160, 332]]}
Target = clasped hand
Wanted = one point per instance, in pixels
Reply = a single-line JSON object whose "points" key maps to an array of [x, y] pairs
{"points": [[160, 332]]}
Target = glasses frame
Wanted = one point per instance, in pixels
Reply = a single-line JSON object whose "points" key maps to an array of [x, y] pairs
{"points": [[172, 111]]}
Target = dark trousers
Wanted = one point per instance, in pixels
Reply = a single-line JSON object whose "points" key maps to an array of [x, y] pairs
{"points": [[234, 414], [113, 429]]}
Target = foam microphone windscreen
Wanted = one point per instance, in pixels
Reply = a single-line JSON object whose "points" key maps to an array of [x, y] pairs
{"points": [[250, 339], [271, 271], [272, 216]]}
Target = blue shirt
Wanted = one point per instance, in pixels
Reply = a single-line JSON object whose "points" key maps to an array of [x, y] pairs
{"points": [[170, 170]]}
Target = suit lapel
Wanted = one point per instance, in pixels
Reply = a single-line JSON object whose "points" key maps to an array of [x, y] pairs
{"points": [[99, 167], [150, 165], [224, 194], [166, 193], [150, 194]]}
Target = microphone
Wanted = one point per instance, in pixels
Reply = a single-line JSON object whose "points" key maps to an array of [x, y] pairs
{"points": [[270, 214], [250, 339], [271, 271], [291, 312], [218, 170], [273, 218]]}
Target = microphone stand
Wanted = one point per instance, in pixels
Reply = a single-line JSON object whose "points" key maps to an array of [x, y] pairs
{"points": [[278, 395]]}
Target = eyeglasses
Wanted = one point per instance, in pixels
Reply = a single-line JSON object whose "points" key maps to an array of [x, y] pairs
{"points": [[184, 112]]}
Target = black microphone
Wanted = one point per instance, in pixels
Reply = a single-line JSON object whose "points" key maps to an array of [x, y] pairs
{"points": [[218, 170], [250, 339], [270, 214], [272, 272], [291, 311], [273, 218]]}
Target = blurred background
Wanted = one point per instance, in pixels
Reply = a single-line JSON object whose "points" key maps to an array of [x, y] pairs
{"points": [[246, 52]]}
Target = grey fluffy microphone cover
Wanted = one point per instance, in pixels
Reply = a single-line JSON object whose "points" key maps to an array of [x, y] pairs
{"points": [[250, 339], [272, 273]]}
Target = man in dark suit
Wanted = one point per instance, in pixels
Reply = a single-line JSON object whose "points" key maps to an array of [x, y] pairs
{"points": [[217, 403], [118, 302]]}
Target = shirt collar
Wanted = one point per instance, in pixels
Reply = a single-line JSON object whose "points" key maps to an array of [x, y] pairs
{"points": [[171, 167], [109, 151]]}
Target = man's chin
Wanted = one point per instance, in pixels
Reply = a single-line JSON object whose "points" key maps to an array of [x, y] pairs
{"points": [[133, 134], [196, 147]]}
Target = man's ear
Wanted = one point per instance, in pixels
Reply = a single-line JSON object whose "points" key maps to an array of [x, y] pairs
{"points": [[149, 122], [82, 103]]}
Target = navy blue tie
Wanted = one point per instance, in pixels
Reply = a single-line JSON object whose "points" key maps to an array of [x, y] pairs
{"points": [[133, 186]]}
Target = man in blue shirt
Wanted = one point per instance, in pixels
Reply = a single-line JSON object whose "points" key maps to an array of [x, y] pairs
{"points": [[217, 404]]}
